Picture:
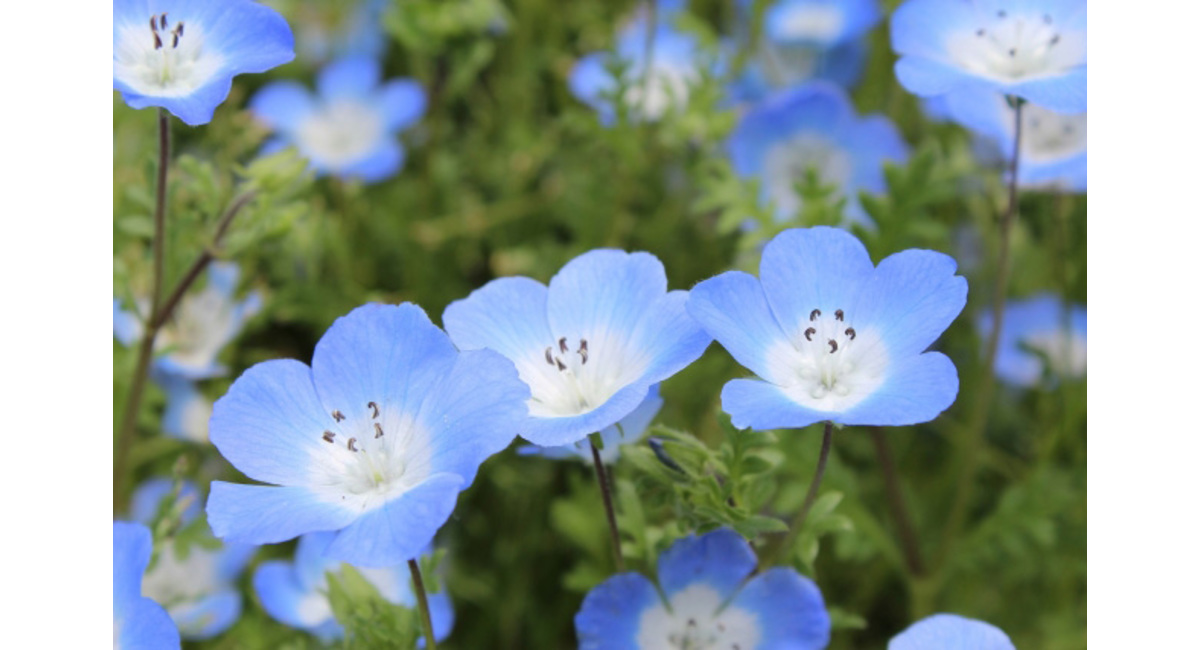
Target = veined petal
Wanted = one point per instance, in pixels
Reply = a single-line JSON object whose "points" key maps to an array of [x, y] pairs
{"points": [[554, 431], [917, 390], [721, 559], [604, 293], [668, 337], [813, 268], [1065, 93], [507, 315], [912, 298], [733, 309], [611, 613], [790, 610], [951, 632], [257, 514], [759, 405]]}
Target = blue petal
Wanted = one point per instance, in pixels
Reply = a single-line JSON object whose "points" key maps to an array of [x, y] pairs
{"points": [[310, 564], [402, 102], [209, 616], [917, 390], [441, 615], [292, 603], [127, 327], [920, 27], [145, 625], [928, 78], [283, 105], [669, 336], [815, 106], [131, 554], [380, 164], [589, 79], [604, 292], [269, 425], [1065, 93], [401, 528], [611, 613], [186, 415], [232, 560], [733, 309], [856, 18], [250, 36], [951, 632], [790, 610], [633, 425], [147, 497], [555, 431], [874, 141], [354, 77], [759, 405], [720, 559], [507, 315], [256, 514], [911, 299]]}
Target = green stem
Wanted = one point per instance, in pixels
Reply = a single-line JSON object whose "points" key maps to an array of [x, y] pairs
{"points": [[797, 524], [423, 603], [606, 492]]}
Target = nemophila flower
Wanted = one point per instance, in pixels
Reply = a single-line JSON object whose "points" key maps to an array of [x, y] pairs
{"points": [[629, 430], [951, 632], [833, 337], [814, 126], [589, 346], [188, 410], [296, 593], [138, 622], [198, 586], [349, 129], [705, 598], [778, 66], [182, 56], [1053, 151], [1035, 50], [820, 23], [661, 67], [201, 326], [374, 441], [1035, 332]]}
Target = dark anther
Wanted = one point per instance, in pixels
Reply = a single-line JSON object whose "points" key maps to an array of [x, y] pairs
{"points": [[562, 344], [1054, 40], [378, 430], [816, 313], [691, 622], [153, 24], [350, 444], [832, 346], [174, 39], [980, 32], [162, 21], [179, 28], [1012, 52], [157, 42], [809, 332], [374, 409], [839, 314], [851, 333], [561, 366], [338, 416], [549, 359], [1001, 13], [583, 351], [328, 436]]}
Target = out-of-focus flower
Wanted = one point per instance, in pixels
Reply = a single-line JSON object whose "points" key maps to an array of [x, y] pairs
{"points": [[705, 599], [1033, 50], [297, 593], [373, 442], [138, 622], [820, 23], [814, 126], [951, 632], [188, 409], [832, 336], [589, 346], [326, 31], [629, 430], [182, 56], [1039, 330]]}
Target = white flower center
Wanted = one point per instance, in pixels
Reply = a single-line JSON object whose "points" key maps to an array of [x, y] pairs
{"points": [[342, 133], [695, 621], [829, 365], [163, 60], [1048, 136], [199, 328], [665, 87], [173, 581], [1015, 47], [816, 23], [788, 162], [576, 375]]}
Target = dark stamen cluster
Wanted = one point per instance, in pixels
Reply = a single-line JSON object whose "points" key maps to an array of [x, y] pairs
{"points": [[557, 361], [351, 444], [158, 23]]}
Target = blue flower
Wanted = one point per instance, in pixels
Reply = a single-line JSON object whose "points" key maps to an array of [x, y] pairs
{"points": [[814, 126], [1037, 331], [331, 31], [350, 128], [819, 23], [297, 593], [1033, 50], [589, 346], [705, 598], [785, 65], [950, 632], [199, 590], [628, 431], [374, 441], [832, 336], [183, 55], [188, 410], [138, 622], [651, 92], [1053, 145]]}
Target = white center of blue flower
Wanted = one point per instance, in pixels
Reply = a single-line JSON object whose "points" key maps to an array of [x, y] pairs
{"points": [[828, 364], [695, 621], [200, 327], [665, 87], [787, 163], [1017, 46], [810, 22], [163, 59], [342, 133], [1047, 136], [576, 375], [177, 584]]}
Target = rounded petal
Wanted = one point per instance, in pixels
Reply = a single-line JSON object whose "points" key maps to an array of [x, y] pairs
{"points": [[874, 141], [350, 77], [911, 299], [668, 337], [382, 163], [555, 431], [920, 27], [733, 309], [291, 603], [812, 268], [209, 616], [604, 292], [951, 632], [928, 78], [1064, 94], [441, 614], [402, 102], [507, 315], [256, 514], [759, 405], [816, 106], [916, 391], [131, 554], [145, 626], [611, 613], [720, 559], [790, 610], [283, 105]]}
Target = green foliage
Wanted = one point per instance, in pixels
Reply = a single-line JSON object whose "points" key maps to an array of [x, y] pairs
{"points": [[370, 621]]}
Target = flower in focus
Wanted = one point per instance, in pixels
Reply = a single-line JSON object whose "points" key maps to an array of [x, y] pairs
{"points": [[297, 593], [705, 598], [629, 430], [833, 337], [138, 622], [814, 126], [1035, 332], [182, 56], [589, 346], [1033, 50], [950, 632], [350, 128], [373, 442], [198, 587]]}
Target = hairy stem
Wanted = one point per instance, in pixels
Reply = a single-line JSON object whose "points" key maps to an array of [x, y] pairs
{"points": [[797, 524], [606, 492], [423, 603]]}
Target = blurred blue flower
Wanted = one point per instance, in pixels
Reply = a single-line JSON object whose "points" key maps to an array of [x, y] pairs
{"points": [[705, 598], [183, 55], [832, 336], [661, 69], [814, 126], [297, 593], [628, 431], [783, 66], [819, 23], [138, 622], [188, 409], [1053, 145], [197, 588], [950, 632], [589, 346], [1037, 331], [374, 441], [350, 128], [1035, 50]]}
